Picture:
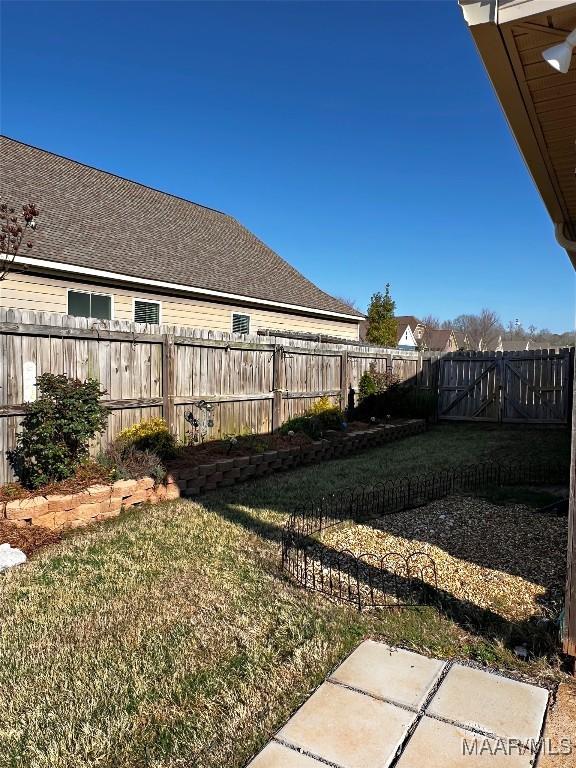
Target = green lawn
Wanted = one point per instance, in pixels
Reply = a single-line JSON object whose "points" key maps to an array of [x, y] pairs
{"points": [[168, 637]]}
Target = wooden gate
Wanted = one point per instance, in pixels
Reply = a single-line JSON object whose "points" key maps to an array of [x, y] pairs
{"points": [[468, 387], [532, 386]]}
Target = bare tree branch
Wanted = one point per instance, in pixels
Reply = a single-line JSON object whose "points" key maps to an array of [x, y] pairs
{"points": [[13, 226]]}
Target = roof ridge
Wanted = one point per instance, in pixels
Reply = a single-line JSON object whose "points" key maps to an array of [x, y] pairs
{"points": [[114, 175]]}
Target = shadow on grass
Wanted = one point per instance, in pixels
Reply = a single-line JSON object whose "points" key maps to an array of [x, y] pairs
{"points": [[540, 637]]}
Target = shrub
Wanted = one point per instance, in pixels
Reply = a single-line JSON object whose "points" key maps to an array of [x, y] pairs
{"points": [[129, 463], [56, 429], [366, 385], [373, 382], [399, 402], [321, 406], [316, 420], [151, 435]]}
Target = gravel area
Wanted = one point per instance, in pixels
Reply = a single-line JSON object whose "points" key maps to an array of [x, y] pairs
{"points": [[508, 559]]}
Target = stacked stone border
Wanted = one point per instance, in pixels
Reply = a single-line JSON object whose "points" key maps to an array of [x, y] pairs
{"points": [[97, 502], [194, 480], [101, 502]]}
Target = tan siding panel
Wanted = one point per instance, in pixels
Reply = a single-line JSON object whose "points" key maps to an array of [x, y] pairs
{"points": [[21, 291]]}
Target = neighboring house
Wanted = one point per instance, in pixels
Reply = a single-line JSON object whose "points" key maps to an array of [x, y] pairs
{"points": [[416, 326], [405, 337], [109, 248], [462, 341], [439, 340], [514, 345]]}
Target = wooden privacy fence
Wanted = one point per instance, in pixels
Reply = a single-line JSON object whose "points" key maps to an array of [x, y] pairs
{"points": [[530, 386], [147, 371], [255, 382]]}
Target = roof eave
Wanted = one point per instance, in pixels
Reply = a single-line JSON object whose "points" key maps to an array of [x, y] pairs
{"points": [[63, 267], [484, 19]]}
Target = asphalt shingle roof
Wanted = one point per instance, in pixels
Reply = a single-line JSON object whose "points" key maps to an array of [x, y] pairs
{"points": [[91, 218], [437, 338]]}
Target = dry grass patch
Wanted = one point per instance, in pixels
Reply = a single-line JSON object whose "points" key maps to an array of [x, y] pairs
{"points": [[165, 638], [169, 637]]}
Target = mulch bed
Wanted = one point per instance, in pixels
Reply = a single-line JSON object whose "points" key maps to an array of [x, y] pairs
{"points": [[28, 538], [90, 473], [509, 560], [214, 450]]}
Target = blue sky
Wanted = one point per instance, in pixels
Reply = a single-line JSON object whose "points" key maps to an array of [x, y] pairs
{"points": [[361, 141]]}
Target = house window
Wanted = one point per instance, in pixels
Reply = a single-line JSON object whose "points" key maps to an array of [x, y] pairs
{"points": [[146, 311], [240, 323], [82, 304]]}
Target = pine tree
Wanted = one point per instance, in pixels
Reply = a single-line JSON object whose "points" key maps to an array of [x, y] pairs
{"points": [[382, 326]]}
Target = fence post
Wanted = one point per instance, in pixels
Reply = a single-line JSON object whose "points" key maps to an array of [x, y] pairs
{"points": [[389, 364], [343, 379], [168, 381], [569, 391], [569, 634], [277, 386], [500, 384]]}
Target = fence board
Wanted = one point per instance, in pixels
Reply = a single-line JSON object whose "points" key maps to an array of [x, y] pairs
{"points": [[254, 381], [151, 370], [530, 386]]}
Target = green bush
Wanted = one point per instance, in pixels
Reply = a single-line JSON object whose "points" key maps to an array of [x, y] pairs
{"points": [[56, 429], [150, 435], [366, 385], [373, 382], [315, 420]]}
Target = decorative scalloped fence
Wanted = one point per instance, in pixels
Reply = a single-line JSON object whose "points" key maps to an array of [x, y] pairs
{"points": [[391, 579]]}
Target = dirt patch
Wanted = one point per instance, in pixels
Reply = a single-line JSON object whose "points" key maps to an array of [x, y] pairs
{"points": [[505, 559], [28, 538], [561, 725]]}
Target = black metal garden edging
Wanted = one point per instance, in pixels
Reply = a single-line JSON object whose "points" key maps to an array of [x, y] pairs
{"points": [[393, 579]]}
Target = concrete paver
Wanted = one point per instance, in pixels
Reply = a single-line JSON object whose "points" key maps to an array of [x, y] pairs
{"points": [[382, 702], [390, 673], [276, 755], [348, 728], [435, 744], [490, 703]]}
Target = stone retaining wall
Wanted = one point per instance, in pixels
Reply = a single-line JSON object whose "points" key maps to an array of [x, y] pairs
{"points": [[98, 502], [194, 480], [101, 502]]}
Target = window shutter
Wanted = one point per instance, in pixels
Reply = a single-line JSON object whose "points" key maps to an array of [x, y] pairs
{"points": [[240, 323], [146, 312]]}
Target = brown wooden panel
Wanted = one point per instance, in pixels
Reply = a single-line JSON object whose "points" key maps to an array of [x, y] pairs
{"points": [[141, 380]]}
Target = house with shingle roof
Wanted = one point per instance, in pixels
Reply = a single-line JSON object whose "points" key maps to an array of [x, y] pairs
{"points": [[405, 335], [514, 345], [405, 338], [110, 248], [463, 342], [439, 340], [416, 326]]}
